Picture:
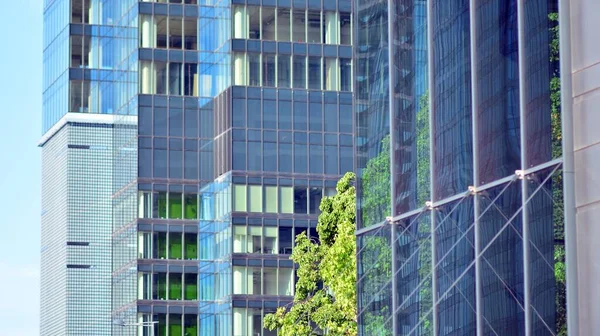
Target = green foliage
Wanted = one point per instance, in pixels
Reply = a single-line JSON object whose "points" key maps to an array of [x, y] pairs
{"points": [[557, 179], [332, 263], [376, 179], [423, 151]]}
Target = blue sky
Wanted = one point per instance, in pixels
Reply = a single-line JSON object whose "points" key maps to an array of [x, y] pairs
{"points": [[20, 127]]}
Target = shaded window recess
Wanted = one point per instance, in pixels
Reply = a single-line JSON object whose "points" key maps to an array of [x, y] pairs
{"points": [[78, 146], [78, 266], [78, 244]]}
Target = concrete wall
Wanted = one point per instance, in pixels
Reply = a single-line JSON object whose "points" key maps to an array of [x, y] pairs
{"points": [[585, 47]]}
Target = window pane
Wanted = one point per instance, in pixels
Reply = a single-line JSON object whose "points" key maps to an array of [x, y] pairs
{"points": [[161, 31], [268, 23], [331, 27], [175, 79], [285, 240], [345, 74], [240, 280], [191, 293], [314, 73], [190, 27], [315, 196], [270, 240], [240, 73], [269, 112], [190, 324], [254, 70], [313, 27], [270, 156], [345, 29], [254, 155], [239, 201], [191, 246], [191, 206], [175, 33], [285, 283], [240, 243], [159, 286], [175, 206], [299, 72], [256, 198], [270, 282], [268, 73], [300, 200], [285, 115], [159, 207], [316, 159], [315, 118], [175, 286], [254, 22], [175, 245], [287, 200], [331, 160], [190, 86], [285, 158], [160, 69], [300, 158], [160, 245], [331, 118], [299, 25], [255, 239], [239, 155], [271, 199], [283, 24], [330, 74], [239, 22], [284, 71]]}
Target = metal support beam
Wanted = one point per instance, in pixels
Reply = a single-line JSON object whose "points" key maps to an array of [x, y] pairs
{"points": [[474, 135], [524, 191]]}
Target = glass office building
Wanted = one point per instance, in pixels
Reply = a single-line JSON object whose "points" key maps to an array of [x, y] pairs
{"points": [[221, 126], [459, 159]]}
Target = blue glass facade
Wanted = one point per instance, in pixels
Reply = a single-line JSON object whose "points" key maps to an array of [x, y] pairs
{"points": [[458, 141]]}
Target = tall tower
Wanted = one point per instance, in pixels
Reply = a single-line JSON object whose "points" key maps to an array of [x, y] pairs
{"points": [[185, 144]]}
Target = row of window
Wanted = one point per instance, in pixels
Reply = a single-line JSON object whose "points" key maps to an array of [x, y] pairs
{"points": [[168, 325], [298, 25], [299, 72], [163, 245], [178, 79], [278, 199], [171, 205], [251, 69], [167, 286], [263, 281], [249, 322], [172, 32]]}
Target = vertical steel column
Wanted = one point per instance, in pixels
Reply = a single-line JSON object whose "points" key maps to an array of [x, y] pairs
{"points": [[566, 96], [474, 128], [524, 192], [430, 87], [392, 108]]}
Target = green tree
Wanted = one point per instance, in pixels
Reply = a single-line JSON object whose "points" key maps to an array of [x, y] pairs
{"points": [[330, 262]]}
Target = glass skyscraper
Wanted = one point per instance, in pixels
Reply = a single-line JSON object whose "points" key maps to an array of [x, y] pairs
{"points": [[185, 144], [460, 168]]}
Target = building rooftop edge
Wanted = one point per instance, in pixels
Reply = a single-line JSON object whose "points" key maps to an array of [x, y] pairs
{"points": [[90, 118]]}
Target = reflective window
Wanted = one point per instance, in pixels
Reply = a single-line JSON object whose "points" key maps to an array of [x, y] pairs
{"points": [[299, 72], [284, 73], [283, 24]]}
